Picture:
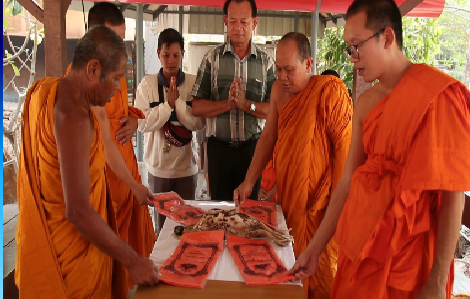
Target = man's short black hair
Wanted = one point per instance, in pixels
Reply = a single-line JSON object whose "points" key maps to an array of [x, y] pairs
{"points": [[303, 45], [100, 43], [380, 14], [331, 73], [170, 36], [254, 10], [105, 12]]}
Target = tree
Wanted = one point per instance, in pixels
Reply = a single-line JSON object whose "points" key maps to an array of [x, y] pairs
{"points": [[15, 61], [420, 44], [455, 40]]}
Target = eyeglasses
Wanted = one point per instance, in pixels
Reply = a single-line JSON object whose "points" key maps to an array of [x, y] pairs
{"points": [[353, 52]]}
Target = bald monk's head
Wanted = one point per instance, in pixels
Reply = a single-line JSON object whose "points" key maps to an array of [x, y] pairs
{"points": [[293, 62], [99, 62], [373, 33], [109, 15]]}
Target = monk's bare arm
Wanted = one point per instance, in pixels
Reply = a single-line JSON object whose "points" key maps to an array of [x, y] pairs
{"points": [[74, 134], [113, 156], [267, 141], [116, 162], [264, 149], [450, 217]]}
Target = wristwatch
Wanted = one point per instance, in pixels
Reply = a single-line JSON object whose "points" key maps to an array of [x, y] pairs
{"points": [[252, 107]]}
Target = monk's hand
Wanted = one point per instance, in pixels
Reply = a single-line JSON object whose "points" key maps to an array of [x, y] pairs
{"points": [[306, 264], [173, 93], [143, 271], [267, 195], [143, 195], [242, 192], [432, 290], [125, 133]]}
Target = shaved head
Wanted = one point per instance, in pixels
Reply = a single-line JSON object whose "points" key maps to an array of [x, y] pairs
{"points": [[380, 14], [303, 45], [100, 43], [103, 13]]}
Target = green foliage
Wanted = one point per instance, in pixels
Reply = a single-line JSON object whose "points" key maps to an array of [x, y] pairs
{"points": [[420, 44], [330, 53], [455, 35]]}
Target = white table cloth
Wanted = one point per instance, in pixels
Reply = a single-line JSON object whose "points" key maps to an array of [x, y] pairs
{"points": [[225, 268]]}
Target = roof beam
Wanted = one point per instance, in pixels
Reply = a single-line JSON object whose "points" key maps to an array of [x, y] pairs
{"points": [[158, 11], [124, 7], [408, 5], [33, 9], [146, 6], [332, 18]]}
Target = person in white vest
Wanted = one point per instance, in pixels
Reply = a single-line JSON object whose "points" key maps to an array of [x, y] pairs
{"points": [[170, 151]]}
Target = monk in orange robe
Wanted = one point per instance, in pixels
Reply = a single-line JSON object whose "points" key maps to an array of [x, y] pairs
{"points": [[310, 118], [268, 187], [397, 209], [134, 224], [66, 233]]}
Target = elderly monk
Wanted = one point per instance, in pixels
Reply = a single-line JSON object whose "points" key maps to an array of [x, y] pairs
{"points": [[398, 206], [66, 234], [310, 118], [133, 220]]}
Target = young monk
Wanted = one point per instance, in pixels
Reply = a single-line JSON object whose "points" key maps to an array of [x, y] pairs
{"points": [[310, 119], [397, 209], [118, 123], [66, 234]]}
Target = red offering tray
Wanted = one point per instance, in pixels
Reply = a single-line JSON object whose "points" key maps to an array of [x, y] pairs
{"points": [[193, 260], [257, 261], [261, 210], [174, 207]]}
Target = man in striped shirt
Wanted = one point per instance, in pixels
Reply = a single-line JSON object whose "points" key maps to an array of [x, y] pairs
{"points": [[232, 90]]}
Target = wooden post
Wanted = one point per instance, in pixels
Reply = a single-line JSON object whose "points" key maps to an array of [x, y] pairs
{"points": [[55, 39], [359, 86]]}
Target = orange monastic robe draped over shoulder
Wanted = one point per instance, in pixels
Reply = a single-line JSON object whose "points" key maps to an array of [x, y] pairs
{"points": [[416, 139], [133, 220], [54, 260], [314, 135], [134, 223]]}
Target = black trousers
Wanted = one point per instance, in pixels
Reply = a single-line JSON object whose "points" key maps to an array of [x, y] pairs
{"points": [[228, 165]]}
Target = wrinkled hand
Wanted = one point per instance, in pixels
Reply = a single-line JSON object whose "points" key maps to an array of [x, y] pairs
{"points": [[125, 133], [242, 192], [306, 264], [237, 94], [432, 290], [173, 93], [143, 195], [267, 195], [144, 272]]}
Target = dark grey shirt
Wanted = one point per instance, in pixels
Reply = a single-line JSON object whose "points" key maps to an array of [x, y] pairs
{"points": [[218, 69]]}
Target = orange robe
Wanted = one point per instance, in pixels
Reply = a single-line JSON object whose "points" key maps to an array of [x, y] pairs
{"points": [[268, 178], [135, 226], [314, 135], [416, 139], [53, 259]]}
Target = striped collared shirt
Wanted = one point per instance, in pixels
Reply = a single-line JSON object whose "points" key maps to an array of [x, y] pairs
{"points": [[218, 69]]}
